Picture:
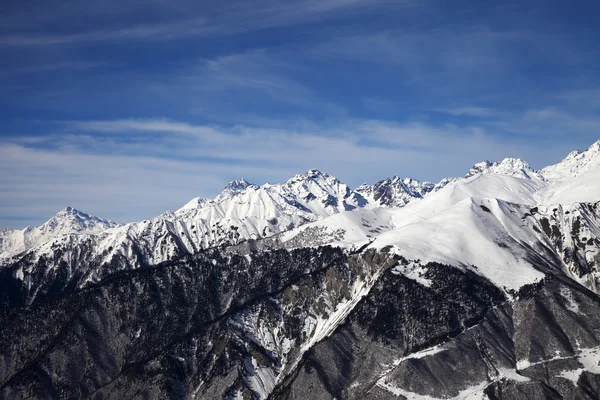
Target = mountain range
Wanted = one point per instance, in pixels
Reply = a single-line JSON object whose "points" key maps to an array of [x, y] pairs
{"points": [[481, 286]]}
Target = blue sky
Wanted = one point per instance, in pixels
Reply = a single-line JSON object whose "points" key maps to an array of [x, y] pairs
{"points": [[124, 109]]}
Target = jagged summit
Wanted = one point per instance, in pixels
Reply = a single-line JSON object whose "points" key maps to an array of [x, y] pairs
{"points": [[575, 164], [238, 185], [69, 211], [312, 174], [78, 219], [479, 167], [394, 192], [67, 221], [235, 187], [509, 166]]}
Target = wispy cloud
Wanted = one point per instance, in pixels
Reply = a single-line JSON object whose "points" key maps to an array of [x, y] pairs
{"points": [[480, 112], [189, 20], [240, 81]]}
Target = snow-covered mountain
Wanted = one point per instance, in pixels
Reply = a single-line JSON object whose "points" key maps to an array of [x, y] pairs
{"points": [[66, 221], [245, 211], [485, 286], [240, 212], [396, 192]]}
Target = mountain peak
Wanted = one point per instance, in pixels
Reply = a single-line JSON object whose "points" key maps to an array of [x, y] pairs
{"points": [[310, 175], [512, 165], [315, 173], [235, 187], [574, 164], [238, 185], [509, 166], [573, 154], [75, 218], [479, 168], [68, 211]]}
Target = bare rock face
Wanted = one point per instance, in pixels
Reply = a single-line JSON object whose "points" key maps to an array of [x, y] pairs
{"points": [[573, 231]]}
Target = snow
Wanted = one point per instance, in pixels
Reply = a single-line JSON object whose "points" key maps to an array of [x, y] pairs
{"points": [[471, 393], [511, 374], [18, 274], [524, 364], [514, 167], [346, 229], [261, 380], [584, 187], [195, 203], [477, 221], [419, 354], [570, 302], [396, 192], [589, 359], [413, 271]]}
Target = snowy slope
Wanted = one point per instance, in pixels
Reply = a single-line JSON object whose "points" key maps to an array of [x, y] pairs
{"points": [[584, 187], [484, 233], [241, 211], [350, 229]]}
